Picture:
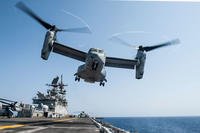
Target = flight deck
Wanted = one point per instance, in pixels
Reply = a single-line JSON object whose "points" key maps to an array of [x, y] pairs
{"points": [[48, 125]]}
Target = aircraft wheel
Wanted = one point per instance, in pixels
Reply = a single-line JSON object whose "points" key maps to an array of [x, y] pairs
{"points": [[77, 78], [102, 84]]}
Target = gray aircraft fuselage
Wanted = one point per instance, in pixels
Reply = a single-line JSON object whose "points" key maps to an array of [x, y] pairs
{"points": [[94, 68]]}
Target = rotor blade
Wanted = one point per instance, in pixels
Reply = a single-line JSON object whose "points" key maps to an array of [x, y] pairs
{"points": [[77, 30], [149, 48], [2, 99], [120, 41], [78, 18], [5, 102], [28, 11]]}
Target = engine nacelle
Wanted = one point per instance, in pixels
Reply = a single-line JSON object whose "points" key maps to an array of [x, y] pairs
{"points": [[47, 45], [139, 71]]}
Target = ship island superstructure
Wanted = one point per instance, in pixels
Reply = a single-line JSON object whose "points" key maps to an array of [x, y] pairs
{"points": [[53, 104]]}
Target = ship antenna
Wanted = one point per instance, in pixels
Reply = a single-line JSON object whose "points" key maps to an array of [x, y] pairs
{"points": [[61, 79]]}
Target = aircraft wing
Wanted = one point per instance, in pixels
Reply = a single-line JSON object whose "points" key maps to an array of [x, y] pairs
{"points": [[120, 63], [69, 52]]}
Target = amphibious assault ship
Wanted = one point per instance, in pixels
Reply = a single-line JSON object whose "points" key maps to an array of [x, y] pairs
{"points": [[48, 114], [54, 103]]}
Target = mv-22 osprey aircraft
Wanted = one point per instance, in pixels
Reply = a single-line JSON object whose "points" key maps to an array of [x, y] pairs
{"points": [[8, 106], [93, 69]]}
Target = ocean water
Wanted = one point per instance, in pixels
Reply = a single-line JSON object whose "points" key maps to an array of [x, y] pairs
{"points": [[156, 124]]}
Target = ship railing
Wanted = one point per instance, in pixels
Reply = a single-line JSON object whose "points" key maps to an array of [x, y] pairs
{"points": [[102, 128]]}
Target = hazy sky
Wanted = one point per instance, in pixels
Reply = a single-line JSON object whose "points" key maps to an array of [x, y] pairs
{"points": [[171, 80]]}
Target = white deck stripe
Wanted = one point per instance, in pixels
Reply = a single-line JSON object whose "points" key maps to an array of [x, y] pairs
{"points": [[36, 128]]}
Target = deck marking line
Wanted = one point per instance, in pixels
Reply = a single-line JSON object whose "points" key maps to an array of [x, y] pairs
{"points": [[11, 126], [20, 125], [67, 119]]}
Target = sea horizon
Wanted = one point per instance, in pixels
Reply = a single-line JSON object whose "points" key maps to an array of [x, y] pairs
{"points": [[147, 116], [173, 124]]}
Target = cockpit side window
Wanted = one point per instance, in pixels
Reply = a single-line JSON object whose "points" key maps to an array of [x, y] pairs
{"points": [[92, 50], [100, 51]]}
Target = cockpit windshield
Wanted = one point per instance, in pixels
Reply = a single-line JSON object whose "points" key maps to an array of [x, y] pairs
{"points": [[95, 50]]}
